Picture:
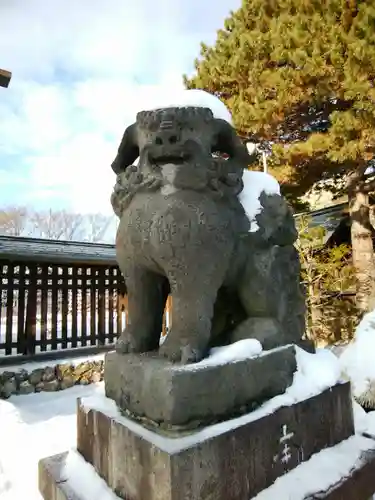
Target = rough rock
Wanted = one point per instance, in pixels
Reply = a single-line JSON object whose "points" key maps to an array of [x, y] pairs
{"points": [[50, 378], [82, 369], [8, 387], [96, 377], [51, 385], [64, 370], [26, 388], [22, 375], [49, 374], [67, 382], [39, 387], [36, 376], [6, 375]]}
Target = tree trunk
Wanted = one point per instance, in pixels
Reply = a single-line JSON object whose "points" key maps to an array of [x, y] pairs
{"points": [[362, 248]]}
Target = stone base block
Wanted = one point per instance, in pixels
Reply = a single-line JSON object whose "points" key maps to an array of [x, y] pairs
{"points": [[53, 480], [175, 395], [231, 460], [56, 481]]}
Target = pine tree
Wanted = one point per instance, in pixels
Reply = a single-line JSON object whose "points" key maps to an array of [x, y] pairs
{"points": [[298, 76], [326, 275]]}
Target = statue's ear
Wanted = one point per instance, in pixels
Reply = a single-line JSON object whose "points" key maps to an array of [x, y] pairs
{"points": [[227, 141], [128, 150]]}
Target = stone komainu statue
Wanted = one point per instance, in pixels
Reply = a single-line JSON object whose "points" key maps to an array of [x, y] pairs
{"points": [[184, 231]]}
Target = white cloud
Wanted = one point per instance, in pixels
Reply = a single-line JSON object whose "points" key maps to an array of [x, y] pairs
{"points": [[81, 71]]}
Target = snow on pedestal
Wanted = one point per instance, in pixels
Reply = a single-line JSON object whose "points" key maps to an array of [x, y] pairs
{"points": [[319, 474], [83, 478], [238, 351]]}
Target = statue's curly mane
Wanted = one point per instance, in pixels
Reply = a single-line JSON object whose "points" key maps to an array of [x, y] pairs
{"points": [[153, 118], [224, 182]]}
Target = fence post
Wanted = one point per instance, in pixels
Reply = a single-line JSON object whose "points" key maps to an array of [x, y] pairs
{"points": [[101, 306], [9, 308], [31, 306]]}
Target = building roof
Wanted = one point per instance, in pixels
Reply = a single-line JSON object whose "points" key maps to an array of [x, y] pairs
{"points": [[330, 218], [16, 248], [5, 77]]}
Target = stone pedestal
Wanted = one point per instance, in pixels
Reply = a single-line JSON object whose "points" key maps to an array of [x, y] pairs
{"points": [[233, 460], [140, 445], [171, 395], [56, 484]]}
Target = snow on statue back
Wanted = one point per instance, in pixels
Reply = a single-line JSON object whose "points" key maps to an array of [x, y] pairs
{"points": [[255, 183], [183, 229]]}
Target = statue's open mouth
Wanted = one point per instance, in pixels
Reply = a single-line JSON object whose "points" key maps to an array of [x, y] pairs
{"points": [[176, 159]]}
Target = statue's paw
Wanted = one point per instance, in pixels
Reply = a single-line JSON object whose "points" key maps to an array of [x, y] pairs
{"points": [[126, 344], [181, 354]]}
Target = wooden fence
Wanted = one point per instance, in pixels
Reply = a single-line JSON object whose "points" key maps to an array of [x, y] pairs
{"points": [[49, 307]]}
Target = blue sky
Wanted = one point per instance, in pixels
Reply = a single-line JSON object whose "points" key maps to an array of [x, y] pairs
{"points": [[81, 70]]}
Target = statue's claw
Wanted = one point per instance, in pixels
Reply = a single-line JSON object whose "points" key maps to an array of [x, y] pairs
{"points": [[181, 354], [127, 343]]}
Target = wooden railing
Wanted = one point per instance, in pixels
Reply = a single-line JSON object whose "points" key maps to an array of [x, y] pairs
{"points": [[50, 307], [47, 307]]}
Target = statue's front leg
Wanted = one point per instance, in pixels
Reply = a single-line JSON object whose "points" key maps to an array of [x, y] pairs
{"points": [[146, 301], [192, 313], [195, 274]]}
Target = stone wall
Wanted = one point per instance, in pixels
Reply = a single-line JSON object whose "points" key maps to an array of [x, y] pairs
{"points": [[50, 378]]}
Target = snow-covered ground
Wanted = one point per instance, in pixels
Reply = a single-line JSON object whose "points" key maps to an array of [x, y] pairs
{"points": [[33, 427]]}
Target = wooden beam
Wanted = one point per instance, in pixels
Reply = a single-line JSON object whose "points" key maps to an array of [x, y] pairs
{"points": [[5, 77]]}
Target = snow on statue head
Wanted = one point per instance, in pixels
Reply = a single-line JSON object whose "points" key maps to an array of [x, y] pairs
{"points": [[188, 226]]}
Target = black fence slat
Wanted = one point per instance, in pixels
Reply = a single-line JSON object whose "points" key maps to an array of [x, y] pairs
{"points": [[74, 327], [43, 308], [31, 309], [64, 311], [21, 309], [2, 300], [111, 306], [101, 305], [93, 305], [9, 309], [54, 307], [84, 308]]}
